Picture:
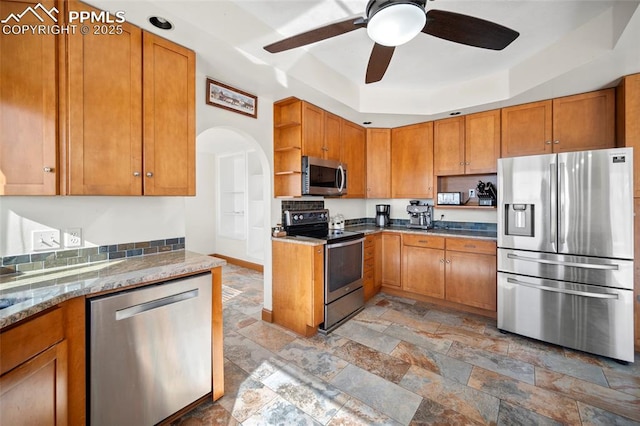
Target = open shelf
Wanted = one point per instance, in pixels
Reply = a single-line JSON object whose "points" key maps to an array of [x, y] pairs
{"points": [[463, 183]]}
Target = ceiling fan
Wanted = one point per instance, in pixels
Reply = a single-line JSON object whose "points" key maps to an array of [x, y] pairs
{"points": [[390, 23]]}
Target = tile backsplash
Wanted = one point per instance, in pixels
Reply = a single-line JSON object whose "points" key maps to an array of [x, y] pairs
{"points": [[71, 257]]}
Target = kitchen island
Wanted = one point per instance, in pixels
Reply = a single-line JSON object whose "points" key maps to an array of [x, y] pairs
{"points": [[43, 331]]}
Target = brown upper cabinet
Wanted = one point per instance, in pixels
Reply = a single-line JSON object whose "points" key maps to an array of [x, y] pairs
{"points": [[104, 107], [321, 133], [353, 147], [332, 137], [168, 117], [571, 123], [378, 161], [412, 161], [101, 114], [628, 124], [527, 129], [131, 107], [312, 130], [29, 106], [585, 121], [467, 145], [301, 128]]}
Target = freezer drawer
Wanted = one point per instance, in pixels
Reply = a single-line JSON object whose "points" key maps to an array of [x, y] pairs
{"points": [[149, 351], [561, 267], [593, 319]]}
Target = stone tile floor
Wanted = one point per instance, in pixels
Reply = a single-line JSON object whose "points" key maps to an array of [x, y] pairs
{"points": [[404, 362]]}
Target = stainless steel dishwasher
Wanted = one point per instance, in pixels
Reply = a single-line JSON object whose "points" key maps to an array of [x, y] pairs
{"points": [[149, 351]]}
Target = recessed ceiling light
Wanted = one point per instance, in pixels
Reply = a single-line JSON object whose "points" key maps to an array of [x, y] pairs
{"points": [[161, 23], [455, 113]]}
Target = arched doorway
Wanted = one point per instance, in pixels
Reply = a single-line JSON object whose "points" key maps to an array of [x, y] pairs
{"points": [[230, 213]]}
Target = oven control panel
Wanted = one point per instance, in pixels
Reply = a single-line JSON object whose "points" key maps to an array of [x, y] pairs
{"points": [[305, 217]]}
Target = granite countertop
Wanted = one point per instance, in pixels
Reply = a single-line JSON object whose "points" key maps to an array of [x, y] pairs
{"points": [[372, 229], [33, 292], [299, 239], [463, 233]]}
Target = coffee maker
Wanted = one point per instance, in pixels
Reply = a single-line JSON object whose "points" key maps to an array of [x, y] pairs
{"points": [[420, 214], [382, 215]]}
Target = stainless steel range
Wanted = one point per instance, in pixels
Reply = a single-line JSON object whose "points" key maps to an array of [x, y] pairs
{"points": [[343, 264]]}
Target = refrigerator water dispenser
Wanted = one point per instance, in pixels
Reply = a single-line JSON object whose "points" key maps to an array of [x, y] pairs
{"points": [[519, 219]]}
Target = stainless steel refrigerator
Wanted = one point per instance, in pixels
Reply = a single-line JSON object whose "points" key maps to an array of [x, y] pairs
{"points": [[565, 249]]}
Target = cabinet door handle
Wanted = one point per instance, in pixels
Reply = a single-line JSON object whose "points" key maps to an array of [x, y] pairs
{"points": [[556, 142], [423, 241], [467, 163], [149, 174], [462, 163], [548, 142], [448, 261], [47, 169], [136, 174], [441, 260]]}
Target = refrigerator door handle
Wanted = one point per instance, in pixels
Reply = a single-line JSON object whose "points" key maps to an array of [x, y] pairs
{"points": [[564, 291], [561, 196], [553, 205], [562, 263]]}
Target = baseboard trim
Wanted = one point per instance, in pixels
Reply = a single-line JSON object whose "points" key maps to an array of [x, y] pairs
{"points": [[240, 262], [267, 315]]}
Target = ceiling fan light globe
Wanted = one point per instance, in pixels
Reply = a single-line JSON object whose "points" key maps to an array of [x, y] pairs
{"points": [[396, 24]]}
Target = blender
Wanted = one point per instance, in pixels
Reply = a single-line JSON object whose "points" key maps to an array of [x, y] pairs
{"points": [[382, 215]]}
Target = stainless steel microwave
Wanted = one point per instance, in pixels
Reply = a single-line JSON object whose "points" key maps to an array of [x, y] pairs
{"points": [[323, 177]]}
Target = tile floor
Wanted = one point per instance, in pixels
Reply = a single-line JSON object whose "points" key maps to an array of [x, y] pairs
{"points": [[404, 362]]}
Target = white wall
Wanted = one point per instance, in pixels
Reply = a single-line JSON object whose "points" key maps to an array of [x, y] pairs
{"points": [[260, 131], [104, 220], [200, 210]]}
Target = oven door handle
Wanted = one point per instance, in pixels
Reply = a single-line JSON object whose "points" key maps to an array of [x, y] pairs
{"points": [[564, 291], [602, 266], [345, 243]]}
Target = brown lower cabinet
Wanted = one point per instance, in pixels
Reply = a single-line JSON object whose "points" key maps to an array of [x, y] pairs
{"points": [[423, 269], [391, 249], [372, 271], [457, 270], [471, 273], [33, 372], [298, 286]]}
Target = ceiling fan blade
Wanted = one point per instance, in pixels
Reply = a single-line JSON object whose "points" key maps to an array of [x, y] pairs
{"points": [[378, 62], [468, 30], [318, 34]]}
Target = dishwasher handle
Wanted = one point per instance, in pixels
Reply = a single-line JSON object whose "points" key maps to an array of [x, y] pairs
{"points": [[131, 311]]}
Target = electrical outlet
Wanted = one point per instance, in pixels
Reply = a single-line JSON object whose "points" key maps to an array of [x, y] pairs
{"points": [[472, 193], [46, 240], [73, 237]]}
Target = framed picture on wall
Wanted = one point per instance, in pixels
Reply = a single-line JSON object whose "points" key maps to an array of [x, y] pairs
{"points": [[222, 96]]}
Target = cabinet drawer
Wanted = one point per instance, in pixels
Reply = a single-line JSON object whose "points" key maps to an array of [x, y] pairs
{"points": [[428, 241], [369, 264], [27, 340], [367, 278], [472, 246], [369, 252], [369, 242]]}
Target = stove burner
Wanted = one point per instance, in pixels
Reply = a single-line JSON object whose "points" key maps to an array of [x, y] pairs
{"points": [[315, 224]]}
